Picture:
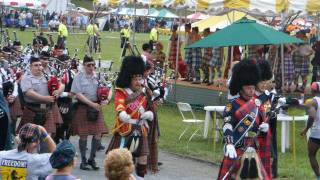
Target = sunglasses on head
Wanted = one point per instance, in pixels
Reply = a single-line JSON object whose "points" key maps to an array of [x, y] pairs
{"points": [[37, 65], [90, 65]]}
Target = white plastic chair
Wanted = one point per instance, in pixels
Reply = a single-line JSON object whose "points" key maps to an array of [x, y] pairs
{"points": [[193, 122]]}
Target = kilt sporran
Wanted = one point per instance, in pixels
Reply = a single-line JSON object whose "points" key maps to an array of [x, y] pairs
{"points": [[67, 110], [92, 114], [40, 117], [133, 141], [40, 112]]}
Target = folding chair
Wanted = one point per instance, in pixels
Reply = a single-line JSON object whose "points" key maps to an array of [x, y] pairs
{"points": [[193, 122]]}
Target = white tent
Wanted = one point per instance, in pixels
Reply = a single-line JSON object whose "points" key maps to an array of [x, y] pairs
{"points": [[31, 4], [58, 6], [130, 11], [163, 13], [261, 7]]}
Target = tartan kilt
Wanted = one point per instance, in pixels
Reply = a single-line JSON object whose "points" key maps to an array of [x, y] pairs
{"points": [[188, 56], [82, 127], [56, 114], [227, 163], [115, 144], [153, 138], [173, 55], [301, 65], [207, 55], [28, 115], [196, 57], [215, 62], [183, 69], [15, 109], [288, 68], [264, 152]]}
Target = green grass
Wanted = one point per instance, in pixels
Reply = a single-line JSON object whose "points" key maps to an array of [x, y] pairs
{"points": [[171, 126], [170, 119], [110, 44]]}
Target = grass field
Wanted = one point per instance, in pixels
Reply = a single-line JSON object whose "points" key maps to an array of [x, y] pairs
{"points": [[170, 119], [110, 43]]}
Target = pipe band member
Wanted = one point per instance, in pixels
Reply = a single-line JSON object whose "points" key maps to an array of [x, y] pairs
{"points": [[38, 106], [132, 114], [244, 118], [89, 118]]}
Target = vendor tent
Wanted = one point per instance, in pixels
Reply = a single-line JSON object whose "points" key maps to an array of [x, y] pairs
{"points": [[163, 13], [197, 16], [58, 6], [245, 32], [214, 22], [130, 11], [32, 4], [262, 7]]}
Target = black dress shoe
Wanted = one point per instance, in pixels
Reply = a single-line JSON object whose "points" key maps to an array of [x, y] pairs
{"points": [[160, 163], [101, 148], [196, 82], [205, 81], [84, 166], [93, 164]]}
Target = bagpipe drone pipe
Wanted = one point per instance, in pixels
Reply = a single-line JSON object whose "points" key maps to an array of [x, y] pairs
{"points": [[157, 84], [104, 92]]}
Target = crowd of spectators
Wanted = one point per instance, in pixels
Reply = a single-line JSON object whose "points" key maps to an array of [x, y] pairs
{"points": [[27, 163], [20, 18], [141, 24]]}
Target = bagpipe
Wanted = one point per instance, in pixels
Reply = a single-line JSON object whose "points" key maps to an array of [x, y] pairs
{"points": [[9, 82], [59, 68], [11, 68], [103, 91], [157, 84]]}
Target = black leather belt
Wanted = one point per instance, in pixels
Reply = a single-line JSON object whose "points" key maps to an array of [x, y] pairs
{"points": [[39, 105], [84, 104]]}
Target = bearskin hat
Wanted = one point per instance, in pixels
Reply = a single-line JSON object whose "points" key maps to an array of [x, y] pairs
{"points": [[246, 72], [6, 49], [16, 43], [131, 66], [44, 55], [63, 57], [265, 70]]}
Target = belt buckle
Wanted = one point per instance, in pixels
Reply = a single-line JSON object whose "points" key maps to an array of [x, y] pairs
{"points": [[43, 106], [251, 134], [74, 100]]}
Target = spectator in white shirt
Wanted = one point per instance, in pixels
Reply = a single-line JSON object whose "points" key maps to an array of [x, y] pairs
{"points": [[23, 162]]}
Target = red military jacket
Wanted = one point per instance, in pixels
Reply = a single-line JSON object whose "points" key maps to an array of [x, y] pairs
{"points": [[132, 108]]}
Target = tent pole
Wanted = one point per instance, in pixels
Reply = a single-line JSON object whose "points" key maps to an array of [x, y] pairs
{"points": [[282, 66], [134, 24], [318, 31], [177, 59], [232, 47]]}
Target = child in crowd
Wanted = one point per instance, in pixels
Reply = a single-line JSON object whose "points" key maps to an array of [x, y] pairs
{"points": [[119, 165], [63, 160]]}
